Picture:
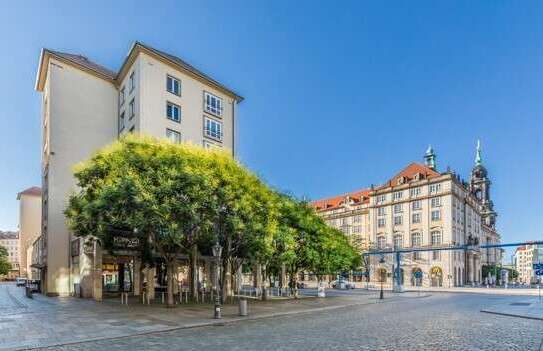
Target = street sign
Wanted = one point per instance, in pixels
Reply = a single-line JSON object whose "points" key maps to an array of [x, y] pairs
{"points": [[538, 269], [418, 274]]}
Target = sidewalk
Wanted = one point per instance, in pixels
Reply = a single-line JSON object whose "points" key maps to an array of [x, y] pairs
{"points": [[46, 321], [531, 308]]}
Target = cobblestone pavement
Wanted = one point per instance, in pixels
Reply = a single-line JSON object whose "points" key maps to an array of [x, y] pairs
{"points": [[436, 322]]}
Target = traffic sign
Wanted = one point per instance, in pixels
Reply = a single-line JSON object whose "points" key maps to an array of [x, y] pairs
{"points": [[538, 269], [418, 274]]}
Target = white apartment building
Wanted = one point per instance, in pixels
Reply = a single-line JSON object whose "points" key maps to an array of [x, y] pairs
{"points": [[29, 228], [525, 257], [10, 241], [87, 106], [423, 208]]}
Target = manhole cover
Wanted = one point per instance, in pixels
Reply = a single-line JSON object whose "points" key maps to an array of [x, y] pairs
{"points": [[520, 304]]}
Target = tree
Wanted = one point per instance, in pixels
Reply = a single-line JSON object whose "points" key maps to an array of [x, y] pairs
{"points": [[5, 266], [149, 189]]}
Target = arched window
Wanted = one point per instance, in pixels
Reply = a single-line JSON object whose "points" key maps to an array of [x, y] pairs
{"points": [[381, 242], [398, 241]]}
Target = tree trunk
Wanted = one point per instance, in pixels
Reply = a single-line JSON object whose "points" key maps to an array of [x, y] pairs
{"points": [[294, 284], [264, 273], [171, 272], [227, 280], [194, 272]]}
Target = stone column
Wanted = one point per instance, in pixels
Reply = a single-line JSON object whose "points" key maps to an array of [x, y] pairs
{"points": [[137, 276], [97, 273]]}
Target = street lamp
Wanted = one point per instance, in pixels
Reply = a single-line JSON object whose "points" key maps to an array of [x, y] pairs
{"points": [[217, 249], [381, 261]]}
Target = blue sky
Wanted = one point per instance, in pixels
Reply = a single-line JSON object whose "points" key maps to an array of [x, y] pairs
{"points": [[338, 95]]}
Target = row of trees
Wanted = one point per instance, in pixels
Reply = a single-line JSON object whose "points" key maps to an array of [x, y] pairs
{"points": [[5, 265], [180, 198]]}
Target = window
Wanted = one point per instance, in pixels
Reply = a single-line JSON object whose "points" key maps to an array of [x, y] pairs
{"points": [[397, 195], [131, 109], [132, 83], [121, 122], [416, 241], [208, 145], [436, 202], [121, 96], [381, 242], [173, 112], [436, 215], [436, 255], [173, 85], [434, 188], [173, 136], [381, 211], [414, 191], [213, 104], [357, 229], [398, 241], [436, 238], [398, 208], [213, 129], [397, 220], [381, 222], [381, 198], [416, 205], [357, 219], [415, 218]]}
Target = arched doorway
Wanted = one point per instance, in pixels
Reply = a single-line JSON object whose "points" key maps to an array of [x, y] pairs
{"points": [[436, 277], [416, 281]]}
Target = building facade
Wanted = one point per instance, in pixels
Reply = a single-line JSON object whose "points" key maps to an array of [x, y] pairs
{"points": [[10, 241], [420, 207], [86, 106], [29, 228], [525, 257]]}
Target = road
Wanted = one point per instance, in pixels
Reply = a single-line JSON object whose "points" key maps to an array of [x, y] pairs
{"points": [[436, 322]]}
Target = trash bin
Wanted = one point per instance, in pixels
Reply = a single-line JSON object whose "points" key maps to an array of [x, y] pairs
{"points": [[243, 307], [28, 291]]}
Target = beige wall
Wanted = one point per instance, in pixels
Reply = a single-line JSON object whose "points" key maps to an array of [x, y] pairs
{"points": [[82, 118], [29, 229], [151, 98]]}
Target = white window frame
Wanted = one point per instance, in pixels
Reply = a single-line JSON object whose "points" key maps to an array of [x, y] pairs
{"points": [[216, 110], [398, 220], [173, 81], [122, 96], [435, 202], [173, 135], [415, 217], [397, 195], [381, 198], [381, 242], [381, 211], [434, 188], [381, 222], [398, 208], [414, 191], [216, 134], [436, 215], [174, 107], [416, 205], [132, 81], [398, 239], [132, 109]]}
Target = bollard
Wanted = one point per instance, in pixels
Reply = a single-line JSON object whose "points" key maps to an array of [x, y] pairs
{"points": [[243, 307], [162, 298], [143, 298]]}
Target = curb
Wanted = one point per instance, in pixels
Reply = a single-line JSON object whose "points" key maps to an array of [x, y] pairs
{"points": [[202, 324], [512, 315]]}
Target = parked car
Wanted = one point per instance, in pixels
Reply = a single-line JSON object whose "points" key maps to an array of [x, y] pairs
{"points": [[20, 281], [342, 283]]}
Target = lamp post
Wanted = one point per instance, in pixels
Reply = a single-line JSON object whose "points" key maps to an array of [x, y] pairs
{"points": [[217, 249], [381, 261]]}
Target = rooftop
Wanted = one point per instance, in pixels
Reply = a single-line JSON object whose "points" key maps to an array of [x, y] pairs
{"points": [[32, 191]]}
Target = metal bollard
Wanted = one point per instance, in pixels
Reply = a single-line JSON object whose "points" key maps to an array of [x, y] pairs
{"points": [[243, 307], [162, 299]]}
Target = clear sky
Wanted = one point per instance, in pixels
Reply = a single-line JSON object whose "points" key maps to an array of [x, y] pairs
{"points": [[339, 95]]}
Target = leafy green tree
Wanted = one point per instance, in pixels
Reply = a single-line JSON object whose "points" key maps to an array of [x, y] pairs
{"points": [[5, 265]]}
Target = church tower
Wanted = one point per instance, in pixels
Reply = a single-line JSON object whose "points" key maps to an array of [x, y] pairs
{"points": [[480, 187], [430, 158]]}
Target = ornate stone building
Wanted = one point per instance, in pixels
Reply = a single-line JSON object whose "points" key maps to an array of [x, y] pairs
{"points": [[423, 208]]}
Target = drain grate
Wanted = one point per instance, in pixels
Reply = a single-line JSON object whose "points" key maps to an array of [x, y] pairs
{"points": [[520, 304]]}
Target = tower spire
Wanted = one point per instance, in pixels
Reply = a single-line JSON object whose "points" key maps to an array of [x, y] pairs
{"points": [[478, 158], [430, 158]]}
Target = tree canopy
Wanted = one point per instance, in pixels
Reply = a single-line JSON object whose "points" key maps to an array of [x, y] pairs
{"points": [[5, 266], [181, 198]]}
